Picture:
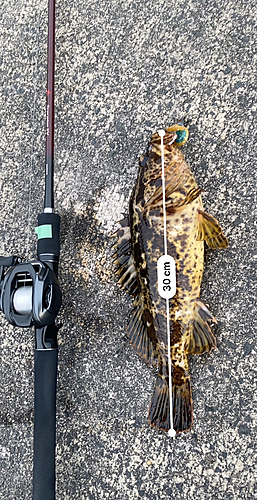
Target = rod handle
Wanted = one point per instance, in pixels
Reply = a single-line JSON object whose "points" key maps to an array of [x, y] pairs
{"points": [[48, 232], [44, 424]]}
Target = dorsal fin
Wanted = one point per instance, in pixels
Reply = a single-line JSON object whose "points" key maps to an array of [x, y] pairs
{"points": [[139, 334], [141, 322], [124, 259]]}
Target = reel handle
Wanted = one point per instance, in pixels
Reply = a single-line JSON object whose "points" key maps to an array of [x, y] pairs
{"points": [[9, 261]]}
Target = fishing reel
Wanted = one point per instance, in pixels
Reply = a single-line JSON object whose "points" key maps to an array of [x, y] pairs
{"points": [[30, 292]]}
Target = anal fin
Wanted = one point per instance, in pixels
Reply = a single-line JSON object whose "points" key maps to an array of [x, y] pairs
{"points": [[201, 338], [210, 231]]}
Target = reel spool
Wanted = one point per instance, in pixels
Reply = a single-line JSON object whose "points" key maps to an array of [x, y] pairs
{"points": [[22, 300]]}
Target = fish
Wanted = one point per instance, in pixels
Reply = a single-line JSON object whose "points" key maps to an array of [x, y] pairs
{"points": [[138, 246]]}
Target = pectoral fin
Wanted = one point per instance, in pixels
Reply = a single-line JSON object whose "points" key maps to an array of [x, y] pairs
{"points": [[189, 198], [175, 182], [210, 231]]}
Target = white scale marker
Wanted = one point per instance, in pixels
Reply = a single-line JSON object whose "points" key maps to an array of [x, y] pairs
{"points": [[166, 272]]}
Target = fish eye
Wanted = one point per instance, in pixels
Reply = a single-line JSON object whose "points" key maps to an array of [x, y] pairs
{"points": [[181, 137], [182, 134]]}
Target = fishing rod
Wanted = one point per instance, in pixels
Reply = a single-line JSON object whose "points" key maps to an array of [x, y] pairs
{"points": [[30, 295]]}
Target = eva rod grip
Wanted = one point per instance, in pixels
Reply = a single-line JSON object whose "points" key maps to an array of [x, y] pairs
{"points": [[44, 424], [48, 232]]}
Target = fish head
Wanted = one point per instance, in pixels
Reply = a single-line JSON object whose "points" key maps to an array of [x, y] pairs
{"points": [[181, 132], [176, 135]]}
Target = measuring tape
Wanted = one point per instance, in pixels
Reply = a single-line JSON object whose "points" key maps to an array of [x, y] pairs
{"points": [[166, 273]]}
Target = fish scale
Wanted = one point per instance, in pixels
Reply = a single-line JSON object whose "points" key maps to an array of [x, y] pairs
{"points": [[141, 241]]}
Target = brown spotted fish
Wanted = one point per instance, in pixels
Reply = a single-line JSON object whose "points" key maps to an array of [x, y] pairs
{"points": [[140, 244]]}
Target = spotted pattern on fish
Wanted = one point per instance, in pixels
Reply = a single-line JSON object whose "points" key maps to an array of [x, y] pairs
{"points": [[140, 244]]}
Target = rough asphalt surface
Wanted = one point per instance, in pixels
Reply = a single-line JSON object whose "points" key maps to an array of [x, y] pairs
{"points": [[123, 70]]}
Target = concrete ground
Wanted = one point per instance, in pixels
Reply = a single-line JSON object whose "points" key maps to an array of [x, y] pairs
{"points": [[124, 69]]}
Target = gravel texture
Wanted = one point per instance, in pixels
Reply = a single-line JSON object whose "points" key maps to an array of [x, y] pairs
{"points": [[123, 70]]}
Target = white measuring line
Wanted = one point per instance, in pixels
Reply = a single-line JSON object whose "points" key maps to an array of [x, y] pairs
{"points": [[166, 269]]}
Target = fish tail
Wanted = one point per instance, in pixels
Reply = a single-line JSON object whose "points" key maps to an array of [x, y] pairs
{"points": [[159, 411]]}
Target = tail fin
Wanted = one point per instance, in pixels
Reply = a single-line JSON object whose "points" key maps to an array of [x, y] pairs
{"points": [[159, 411]]}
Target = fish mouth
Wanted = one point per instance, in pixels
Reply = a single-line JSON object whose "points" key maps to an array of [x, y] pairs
{"points": [[175, 134]]}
